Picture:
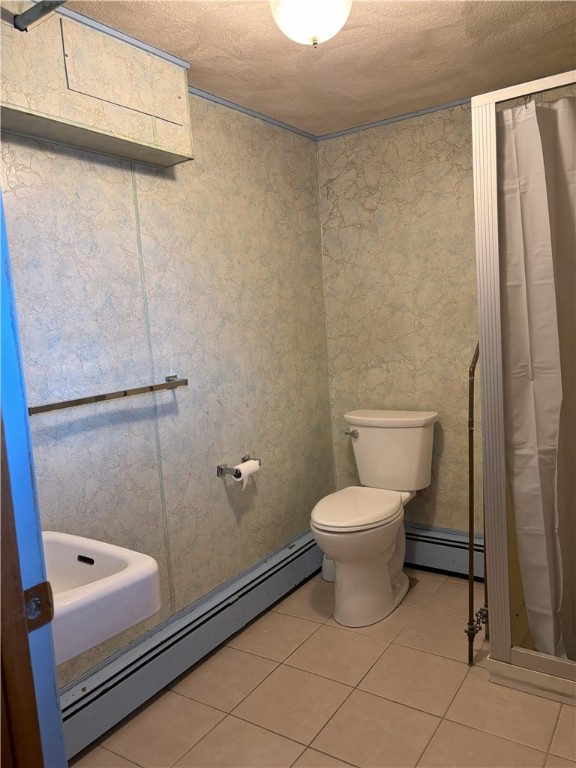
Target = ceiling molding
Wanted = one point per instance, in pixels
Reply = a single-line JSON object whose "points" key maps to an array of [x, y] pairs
{"points": [[250, 112], [327, 136]]}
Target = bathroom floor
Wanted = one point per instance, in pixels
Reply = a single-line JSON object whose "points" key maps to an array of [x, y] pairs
{"points": [[296, 689]]}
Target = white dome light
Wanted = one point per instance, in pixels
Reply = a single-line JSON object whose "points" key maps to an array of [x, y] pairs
{"points": [[310, 22]]}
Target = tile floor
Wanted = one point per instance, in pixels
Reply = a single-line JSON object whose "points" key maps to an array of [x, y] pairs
{"points": [[296, 689]]}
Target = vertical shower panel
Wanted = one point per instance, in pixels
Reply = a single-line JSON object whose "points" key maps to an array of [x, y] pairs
{"points": [[517, 667]]}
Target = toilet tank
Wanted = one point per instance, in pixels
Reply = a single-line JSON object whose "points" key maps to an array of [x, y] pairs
{"points": [[393, 449]]}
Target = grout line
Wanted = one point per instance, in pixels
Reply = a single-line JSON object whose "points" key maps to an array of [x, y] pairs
{"points": [[388, 645], [274, 609], [228, 714], [226, 711], [303, 641], [317, 674], [411, 706], [554, 731], [496, 735], [197, 701], [253, 689], [259, 655], [326, 754], [276, 733], [117, 754], [196, 743], [432, 653], [440, 721]]}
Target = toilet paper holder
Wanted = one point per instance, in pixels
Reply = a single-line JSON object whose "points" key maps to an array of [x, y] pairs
{"points": [[224, 469]]}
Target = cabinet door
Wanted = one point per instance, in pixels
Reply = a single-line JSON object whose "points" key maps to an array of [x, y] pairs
{"points": [[104, 68]]}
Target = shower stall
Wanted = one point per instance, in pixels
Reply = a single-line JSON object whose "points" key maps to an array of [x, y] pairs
{"points": [[525, 207]]}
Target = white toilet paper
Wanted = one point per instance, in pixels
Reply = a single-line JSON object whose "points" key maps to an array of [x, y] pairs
{"points": [[246, 468]]}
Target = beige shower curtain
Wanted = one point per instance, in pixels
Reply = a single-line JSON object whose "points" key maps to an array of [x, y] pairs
{"points": [[536, 197]]}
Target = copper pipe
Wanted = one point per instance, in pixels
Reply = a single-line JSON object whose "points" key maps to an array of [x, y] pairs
{"points": [[472, 628]]}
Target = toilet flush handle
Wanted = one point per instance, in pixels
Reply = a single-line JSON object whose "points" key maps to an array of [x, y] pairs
{"points": [[353, 433]]}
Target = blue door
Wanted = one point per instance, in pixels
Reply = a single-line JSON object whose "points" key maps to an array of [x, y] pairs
{"points": [[27, 521]]}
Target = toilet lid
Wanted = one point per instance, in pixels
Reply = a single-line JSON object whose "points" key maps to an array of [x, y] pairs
{"points": [[356, 508]]}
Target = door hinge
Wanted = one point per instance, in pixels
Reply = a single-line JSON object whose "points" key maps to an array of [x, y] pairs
{"points": [[39, 605]]}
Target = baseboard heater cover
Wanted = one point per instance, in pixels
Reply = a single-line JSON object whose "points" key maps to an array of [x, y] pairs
{"points": [[107, 694], [442, 549]]}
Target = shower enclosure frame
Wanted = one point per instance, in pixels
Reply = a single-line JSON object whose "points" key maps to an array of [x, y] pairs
{"points": [[508, 664]]}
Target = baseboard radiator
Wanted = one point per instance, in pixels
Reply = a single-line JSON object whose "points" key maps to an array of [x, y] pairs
{"points": [[112, 691], [442, 549]]}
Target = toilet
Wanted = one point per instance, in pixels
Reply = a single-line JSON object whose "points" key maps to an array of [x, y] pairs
{"points": [[361, 528]]}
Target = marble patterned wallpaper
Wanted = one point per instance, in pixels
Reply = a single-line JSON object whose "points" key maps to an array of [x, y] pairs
{"points": [[211, 270], [396, 205]]}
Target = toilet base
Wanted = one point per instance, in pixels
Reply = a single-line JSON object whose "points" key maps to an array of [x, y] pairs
{"points": [[368, 578], [360, 598]]}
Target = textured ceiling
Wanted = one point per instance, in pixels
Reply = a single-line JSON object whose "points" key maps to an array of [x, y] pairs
{"points": [[391, 58]]}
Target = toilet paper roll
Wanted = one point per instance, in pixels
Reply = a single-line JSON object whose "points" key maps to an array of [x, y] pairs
{"points": [[246, 468]]}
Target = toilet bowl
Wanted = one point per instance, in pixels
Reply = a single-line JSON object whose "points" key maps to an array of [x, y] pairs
{"points": [[362, 531], [361, 528]]}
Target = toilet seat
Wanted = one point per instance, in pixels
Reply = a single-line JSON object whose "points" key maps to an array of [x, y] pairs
{"points": [[357, 508]]}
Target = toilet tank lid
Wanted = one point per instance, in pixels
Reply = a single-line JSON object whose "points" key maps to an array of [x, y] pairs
{"points": [[369, 418]]}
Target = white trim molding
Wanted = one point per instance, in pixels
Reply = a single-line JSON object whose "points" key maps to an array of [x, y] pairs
{"points": [[488, 276], [531, 681]]}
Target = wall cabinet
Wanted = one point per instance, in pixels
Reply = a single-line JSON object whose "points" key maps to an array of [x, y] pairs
{"points": [[71, 84]]}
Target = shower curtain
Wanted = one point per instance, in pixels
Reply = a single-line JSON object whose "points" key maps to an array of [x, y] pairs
{"points": [[536, 199]]}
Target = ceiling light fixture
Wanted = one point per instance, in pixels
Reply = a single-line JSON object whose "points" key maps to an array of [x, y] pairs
{"points": [[310, 22]]}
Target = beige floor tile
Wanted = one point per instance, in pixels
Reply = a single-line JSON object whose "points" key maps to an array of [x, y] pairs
{"points": [[293, 703], [387, 629], [98, 757], [504, 712], [236, 744], [421, 590], [274, 635], [313, 601], [452, 598], [481, 651], [313, 759], [225, 678], [337, 654], [415, 678], [463, 579], [564, 741], [162, 732], [436, 633], [370, 731], [553, 761], [457, 746], [416, 573]]}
